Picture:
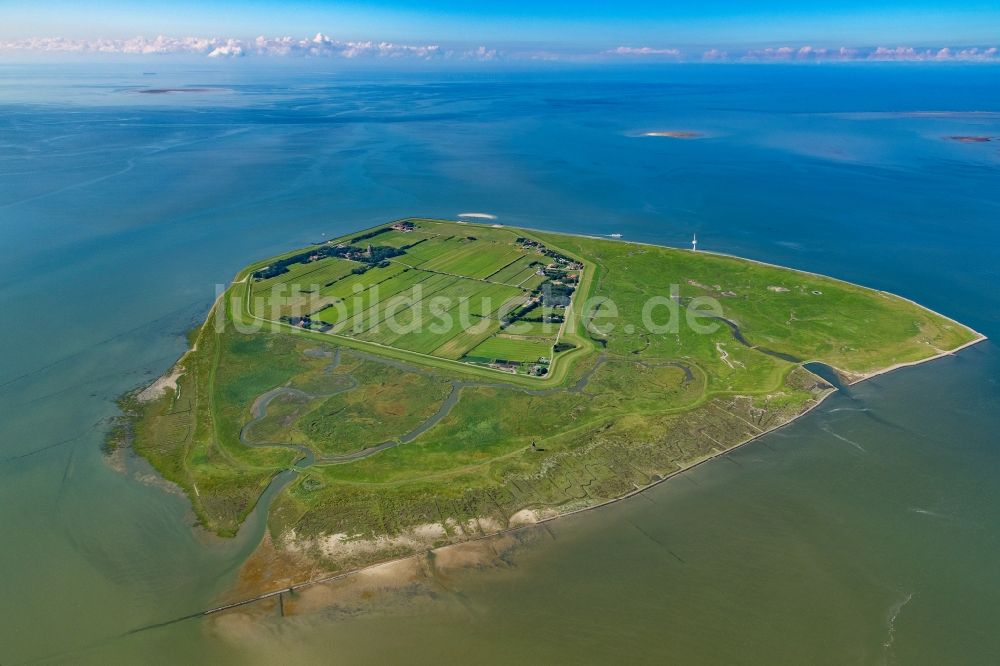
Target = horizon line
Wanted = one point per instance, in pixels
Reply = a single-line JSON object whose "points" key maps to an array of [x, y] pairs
{"points": [[322, 46]]}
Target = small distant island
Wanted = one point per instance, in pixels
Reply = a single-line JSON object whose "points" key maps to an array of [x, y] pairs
{"points": [[676, 134], [970, 139], [426, 382], [170, 91]]}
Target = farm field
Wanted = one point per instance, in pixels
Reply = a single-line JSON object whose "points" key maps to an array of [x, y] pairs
{"points": [[398, 440], [506, 348], [534, 329], [424, 288], [517, 271]]}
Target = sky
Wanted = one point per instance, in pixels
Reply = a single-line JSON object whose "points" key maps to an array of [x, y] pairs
{"points": [[610, 28]]}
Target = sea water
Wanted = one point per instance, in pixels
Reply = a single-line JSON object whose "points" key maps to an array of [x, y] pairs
{"points": [[865, 533]]}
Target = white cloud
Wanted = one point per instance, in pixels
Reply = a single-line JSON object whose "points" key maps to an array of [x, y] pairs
{"points": [[644, 51], [217, 47], [323, 46], [910, 54], [481, 53], [880, 53]]}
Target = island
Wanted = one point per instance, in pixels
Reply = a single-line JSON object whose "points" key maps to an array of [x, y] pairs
{"points": [[427, 382], [970, 139], [675, 134]]}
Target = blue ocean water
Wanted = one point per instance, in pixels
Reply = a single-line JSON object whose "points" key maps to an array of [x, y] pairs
{"points": [[864, 533]]}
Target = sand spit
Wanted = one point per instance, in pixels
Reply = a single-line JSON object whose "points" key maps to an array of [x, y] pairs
{"points": [[158, 388], [531, 516], [399, 585], [169, 379], [345, 548]]}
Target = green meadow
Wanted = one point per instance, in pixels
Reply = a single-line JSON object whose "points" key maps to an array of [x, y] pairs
{"points": [[392, 431]]}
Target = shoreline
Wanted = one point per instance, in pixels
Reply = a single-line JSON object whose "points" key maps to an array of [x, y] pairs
{"points": [[854, 377], [510, 530], [909, 364], [540, 516], [549, 518], [979, 337], [477, 216]]}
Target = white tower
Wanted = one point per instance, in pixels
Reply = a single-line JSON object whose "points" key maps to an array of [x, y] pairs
{"points": [[694, 243]]}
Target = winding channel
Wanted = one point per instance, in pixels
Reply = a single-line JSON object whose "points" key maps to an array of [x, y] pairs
{"points": [[738, 336], [257, 518], [258, 410]]}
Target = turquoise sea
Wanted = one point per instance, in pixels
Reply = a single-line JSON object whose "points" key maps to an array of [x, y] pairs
{"points": [[865, 533]]}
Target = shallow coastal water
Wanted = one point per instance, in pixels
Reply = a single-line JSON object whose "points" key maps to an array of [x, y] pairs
{"points": [[863, 533]]}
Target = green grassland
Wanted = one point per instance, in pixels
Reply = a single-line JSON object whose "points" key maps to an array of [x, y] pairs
{"points": [[449, 274], [533, 329], [851, 328], [391, 431], [503, 347]]}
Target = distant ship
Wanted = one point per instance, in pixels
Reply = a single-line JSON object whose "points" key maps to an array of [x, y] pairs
{"points": [[614, 235]]}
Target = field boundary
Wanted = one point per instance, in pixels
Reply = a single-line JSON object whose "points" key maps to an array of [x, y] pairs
{"points": [[558, 366]]}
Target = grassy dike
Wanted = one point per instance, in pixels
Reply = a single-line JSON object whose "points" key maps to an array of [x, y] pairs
{"points": [[618, 412]]}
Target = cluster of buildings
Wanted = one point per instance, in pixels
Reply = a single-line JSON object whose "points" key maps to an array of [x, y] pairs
{"points": [[539, 369]]}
